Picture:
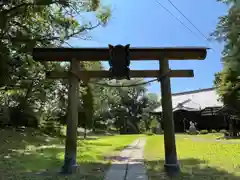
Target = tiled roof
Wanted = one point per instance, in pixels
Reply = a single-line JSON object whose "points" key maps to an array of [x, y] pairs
{"points": [[194, 100]]}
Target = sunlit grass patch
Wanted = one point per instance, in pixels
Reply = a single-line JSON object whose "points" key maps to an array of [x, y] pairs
{"points": [[207, 159]]}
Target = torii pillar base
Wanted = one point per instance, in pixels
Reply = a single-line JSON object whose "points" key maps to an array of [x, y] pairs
{"points": [[172, 170]]}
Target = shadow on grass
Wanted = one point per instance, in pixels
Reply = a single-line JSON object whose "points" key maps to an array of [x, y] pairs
{"points": [[232, 138], [88, 138], [99, 144], [85, 170], [126, 147], [121, 148], [43, 163], [35, 165], [32, 155], [192, 169], [14, 139], [28, 150]]}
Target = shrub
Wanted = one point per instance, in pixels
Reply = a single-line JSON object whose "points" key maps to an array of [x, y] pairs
{"points": [[192, 132], [204, 131], [223, 131], [154, 130], [226, 134], [99, 132], [149, 133], [213, 131], [109, 134], [113, 131], [23, 117], [52, 127]]}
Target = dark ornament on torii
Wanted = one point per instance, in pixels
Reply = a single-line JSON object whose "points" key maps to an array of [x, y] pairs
{"points": [[119, 60]]}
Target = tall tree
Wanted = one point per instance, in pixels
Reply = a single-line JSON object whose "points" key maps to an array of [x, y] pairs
{"points": [[228, 80], [25, 24]]}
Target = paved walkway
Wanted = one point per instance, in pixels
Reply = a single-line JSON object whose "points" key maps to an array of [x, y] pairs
{"points": [[130, 164]]}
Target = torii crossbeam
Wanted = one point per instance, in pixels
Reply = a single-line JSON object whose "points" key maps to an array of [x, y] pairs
{"points": [[74, 55]]}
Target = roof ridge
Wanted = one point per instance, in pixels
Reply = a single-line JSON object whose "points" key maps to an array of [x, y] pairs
{"points": [[193, 91]]}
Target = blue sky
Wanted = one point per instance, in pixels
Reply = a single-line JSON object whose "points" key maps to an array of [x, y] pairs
{"points": [[144, 23]]}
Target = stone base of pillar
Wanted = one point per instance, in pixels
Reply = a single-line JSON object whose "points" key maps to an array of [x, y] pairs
{"points": [[172, 169], [69, 167]]}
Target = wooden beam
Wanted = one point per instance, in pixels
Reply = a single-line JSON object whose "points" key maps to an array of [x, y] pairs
{"points": [[133, 73], [102, 54]]}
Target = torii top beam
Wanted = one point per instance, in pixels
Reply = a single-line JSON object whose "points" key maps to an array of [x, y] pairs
{"points": [[102, 54]]}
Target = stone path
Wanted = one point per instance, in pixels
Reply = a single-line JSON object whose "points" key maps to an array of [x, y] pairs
{"points": [[130, 164]]}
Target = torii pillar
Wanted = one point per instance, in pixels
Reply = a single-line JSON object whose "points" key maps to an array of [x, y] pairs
{"points": [[171, 162]]}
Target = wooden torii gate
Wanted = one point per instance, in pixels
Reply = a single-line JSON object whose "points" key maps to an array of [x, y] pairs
{"points": [[163, 55]]}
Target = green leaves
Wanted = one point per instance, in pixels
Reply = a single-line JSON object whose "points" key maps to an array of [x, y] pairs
{"points": [[228, 1], [104, 14], [227, 80], [25, 24], [44, 2], [94, 5]]}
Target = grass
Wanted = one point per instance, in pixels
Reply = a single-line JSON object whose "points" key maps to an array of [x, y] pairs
{"points": [[24, 154], [199, 160]]}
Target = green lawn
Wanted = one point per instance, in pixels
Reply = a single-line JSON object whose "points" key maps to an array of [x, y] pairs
{"points": [[24, 154], [200, 157]]}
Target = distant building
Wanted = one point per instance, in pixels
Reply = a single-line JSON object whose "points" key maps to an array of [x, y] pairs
{"points": [[199, 106]]}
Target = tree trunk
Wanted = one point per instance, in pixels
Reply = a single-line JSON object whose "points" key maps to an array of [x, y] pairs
{"points": [[184, 125], [235, 131], [147, 126], [125, 125], [85, 132], [231, 127], [93, 125]]}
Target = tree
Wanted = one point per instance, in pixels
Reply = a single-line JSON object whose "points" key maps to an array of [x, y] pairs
{"points": [[27, 24], [124, 105], [151, 104], [227, 81]]}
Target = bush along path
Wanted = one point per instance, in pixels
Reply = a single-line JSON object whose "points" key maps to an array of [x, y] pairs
{"points": [[129, 164]]}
